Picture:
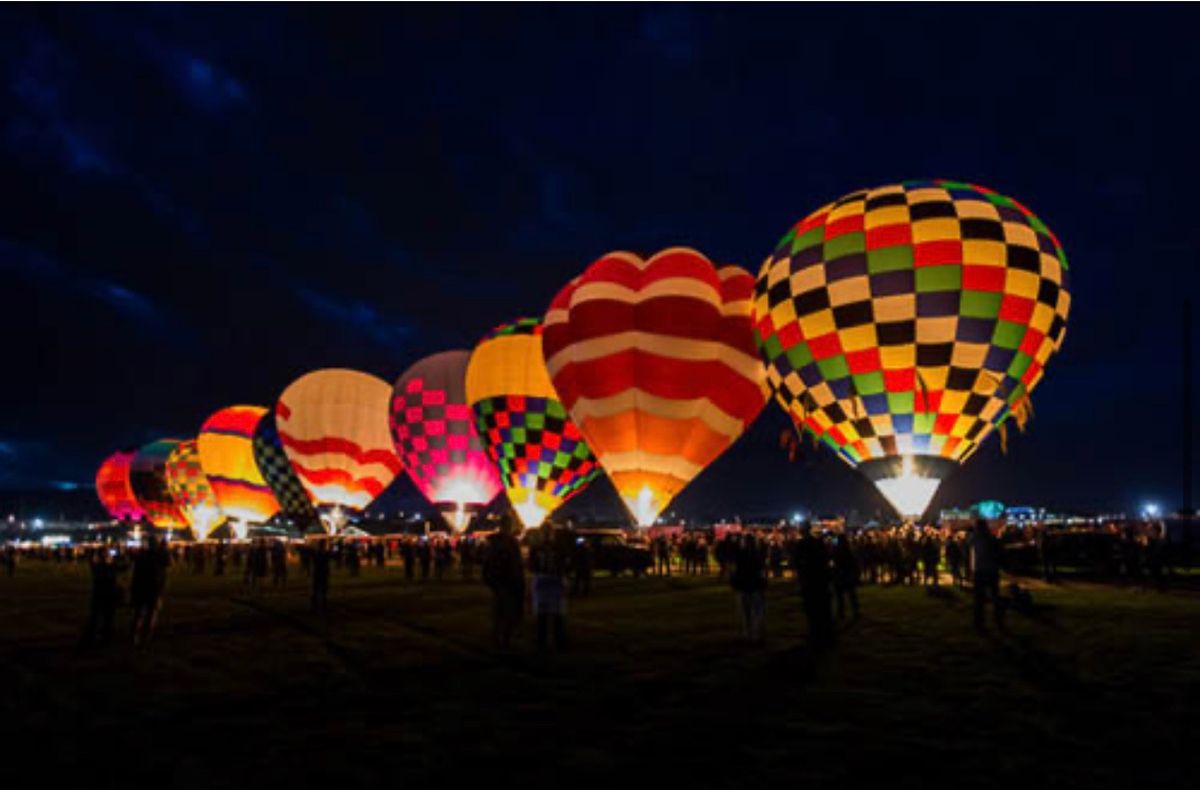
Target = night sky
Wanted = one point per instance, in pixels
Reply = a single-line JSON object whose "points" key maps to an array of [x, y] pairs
{"points": [[202, 203]]}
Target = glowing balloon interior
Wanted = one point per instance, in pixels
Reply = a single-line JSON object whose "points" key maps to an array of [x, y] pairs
{"points": [[148, 478]]}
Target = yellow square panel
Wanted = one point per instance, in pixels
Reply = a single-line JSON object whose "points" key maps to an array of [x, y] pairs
{"points": [[850, 290], [926, 194], [968, 355], [987, 382], [937, 330], [976, 209], [934, 378], [858, 338], [822, 394], [793, 381], [902, 307], [1043, 316], [953, 402], [817, 324], [852, 209], [963, 424], [783, 313], [938, 229], [1020, 233], [885, 215], [1064, 303], [778, 271], [991, 409], [882, 424], [982, 252], [1021, 283], [808, 278], [890, 189], [898, 357], [1051, 268]]}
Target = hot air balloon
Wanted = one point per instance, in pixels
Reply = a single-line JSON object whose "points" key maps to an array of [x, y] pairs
{"points": [[148, 478], [226, 444], [541, 456], [189, 486], [277, 470], [655, 362], [435, 435], [901, 325], [334, 428], [113, 488]]}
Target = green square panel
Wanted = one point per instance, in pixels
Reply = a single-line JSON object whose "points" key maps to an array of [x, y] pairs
{"points": [[900, 402], [1019, 365], [811, 238], [868, 383], [1008, 335], [846, 244], [799, 355], [931, 279], [889, 259], [834, 368], [979, 304]]}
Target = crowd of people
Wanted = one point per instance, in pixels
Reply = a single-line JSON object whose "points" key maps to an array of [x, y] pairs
{"points": [[541, 570]]}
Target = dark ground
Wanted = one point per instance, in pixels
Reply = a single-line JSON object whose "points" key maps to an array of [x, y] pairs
{"points": [[397, 685]]}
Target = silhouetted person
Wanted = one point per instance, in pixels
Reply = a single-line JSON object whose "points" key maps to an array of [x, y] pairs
{"points": [[409, 552], [10, 561], [748, 577], [582, 564], [845, 576], [106, 596], [320, 561], [424, 557], [353, 558], [954, 560], [986, 550], [504, 575], [812, 563], [278, 564], [146, 587], [546, 562]]}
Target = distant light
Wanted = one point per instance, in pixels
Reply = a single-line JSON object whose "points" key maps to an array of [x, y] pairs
{"points": [[797, 517], [38, 523], [1151, 510]]}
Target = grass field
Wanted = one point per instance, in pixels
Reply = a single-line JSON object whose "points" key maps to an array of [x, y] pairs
{"points": [[397, 685]]}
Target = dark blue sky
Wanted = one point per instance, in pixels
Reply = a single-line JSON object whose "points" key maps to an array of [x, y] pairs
{"points": [[201, 203]]}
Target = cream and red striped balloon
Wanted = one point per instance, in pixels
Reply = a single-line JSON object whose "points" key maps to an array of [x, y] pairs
{"points": [[333, 425], [656, 363]]}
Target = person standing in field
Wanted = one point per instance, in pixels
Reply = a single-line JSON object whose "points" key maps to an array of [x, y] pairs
{"points": [[986, 578], [504, 575], [812, 563], [320, 560], [278, 564], [846, 572], [106, 569], [547, 563], [147, 586], [748, 577]]}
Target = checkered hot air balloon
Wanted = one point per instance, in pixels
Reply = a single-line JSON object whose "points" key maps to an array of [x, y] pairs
{"points": [[113, 487], [333, 425], [655, 362], [541, 456], [277, 470], [148, 478], [901, 325], [226, 444], [434, 431], [189, 486]]}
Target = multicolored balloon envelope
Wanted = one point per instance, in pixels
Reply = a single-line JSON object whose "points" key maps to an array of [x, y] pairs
{"points": [[655, 362], [226, 444], [541, 455], [902, 324], [434, 431], [189, 486], [148, 478], [277, 470], [113, 488], [333, 425]]}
